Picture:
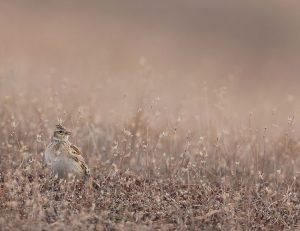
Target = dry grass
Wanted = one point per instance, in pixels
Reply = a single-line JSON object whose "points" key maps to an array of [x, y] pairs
{"points": [[155, 170]]}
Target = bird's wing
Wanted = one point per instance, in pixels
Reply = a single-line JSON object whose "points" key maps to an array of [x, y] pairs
{"points": [[76, 155], [75, 150]]}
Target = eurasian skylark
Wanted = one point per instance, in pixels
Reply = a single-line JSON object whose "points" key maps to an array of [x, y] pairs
{"points": [[65, 158]]}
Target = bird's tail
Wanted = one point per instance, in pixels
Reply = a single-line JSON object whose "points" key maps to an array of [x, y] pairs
{"points": [[91, 179], [95, 184]]}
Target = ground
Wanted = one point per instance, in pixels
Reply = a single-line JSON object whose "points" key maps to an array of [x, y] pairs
{"points": [[199, 185]]}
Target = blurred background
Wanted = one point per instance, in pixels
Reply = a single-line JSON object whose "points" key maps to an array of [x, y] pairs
{"points": [[180, 52]]}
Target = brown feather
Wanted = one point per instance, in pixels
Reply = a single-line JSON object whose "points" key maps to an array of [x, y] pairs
{"points": [[75, 150]]}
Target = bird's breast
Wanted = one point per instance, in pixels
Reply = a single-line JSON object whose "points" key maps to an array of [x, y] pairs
{"points": [[60, 162]]}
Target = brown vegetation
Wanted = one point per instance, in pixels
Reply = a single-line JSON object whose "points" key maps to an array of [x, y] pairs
{"points": [[156, 170], [186, 113]]}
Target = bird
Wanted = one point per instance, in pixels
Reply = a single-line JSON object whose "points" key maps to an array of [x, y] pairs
{"points": [[64, 158]]}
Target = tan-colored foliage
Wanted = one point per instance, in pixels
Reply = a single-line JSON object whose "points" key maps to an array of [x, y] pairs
{"points": [[156, 170]]}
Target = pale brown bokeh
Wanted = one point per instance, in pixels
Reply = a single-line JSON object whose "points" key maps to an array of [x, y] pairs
{"points": [[172, 49], [186, 111]]}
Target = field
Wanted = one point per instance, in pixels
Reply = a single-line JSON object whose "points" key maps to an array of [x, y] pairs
{"points": [[186, 112], [156, 170]]}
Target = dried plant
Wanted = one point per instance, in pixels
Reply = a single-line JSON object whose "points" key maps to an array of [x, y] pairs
{"points": [[157, 167]]}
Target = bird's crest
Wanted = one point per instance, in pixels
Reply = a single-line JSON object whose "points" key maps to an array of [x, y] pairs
{"points": [[60, 127]]}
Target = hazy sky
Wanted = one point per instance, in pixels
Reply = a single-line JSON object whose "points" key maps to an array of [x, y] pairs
{"points": [[252, 39]]}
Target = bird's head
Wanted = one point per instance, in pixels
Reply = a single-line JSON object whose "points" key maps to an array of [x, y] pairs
{"points": [[61, 133]]}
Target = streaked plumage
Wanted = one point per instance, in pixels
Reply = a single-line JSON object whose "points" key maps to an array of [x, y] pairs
{"points": [[65, 158]]}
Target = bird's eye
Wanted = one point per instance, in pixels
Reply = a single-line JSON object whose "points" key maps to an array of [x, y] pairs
{"points": [[60, 132]]}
